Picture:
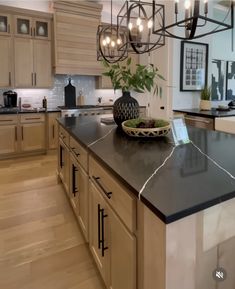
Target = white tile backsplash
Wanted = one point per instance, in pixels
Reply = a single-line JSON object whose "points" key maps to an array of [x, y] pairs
{"points": [[55, 96]]}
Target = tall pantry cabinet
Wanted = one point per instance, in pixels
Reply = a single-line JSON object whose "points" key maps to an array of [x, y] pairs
{"points": [[25, 48]]}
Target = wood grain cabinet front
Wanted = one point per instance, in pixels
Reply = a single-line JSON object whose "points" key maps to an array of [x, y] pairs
{"points": [[116, 225], [8, 134], [6, 71], [52, 130]]}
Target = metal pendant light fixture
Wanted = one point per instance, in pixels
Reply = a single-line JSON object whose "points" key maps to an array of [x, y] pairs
{"points": [[194, 19], [111, 42], [136, 17]]}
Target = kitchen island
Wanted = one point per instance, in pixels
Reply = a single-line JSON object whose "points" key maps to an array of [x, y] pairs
{"points": [[185, 223]]}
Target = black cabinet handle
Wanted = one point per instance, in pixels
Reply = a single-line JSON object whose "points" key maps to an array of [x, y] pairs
{"points": [[101, 216], [103, 248], [99, 241], [74, 189], [97, 181], [61, 157], [74, 150]]}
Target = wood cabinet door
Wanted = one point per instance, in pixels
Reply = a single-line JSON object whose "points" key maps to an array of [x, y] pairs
{"points": [[63, 165], [23, 49], [33, 136], [98, 228], [122, 255], [6, 61], [83, 200], [8, 136], [42, 29], [23, 26], [52, 130], [42, 64], [73, 185], [5, 24]]}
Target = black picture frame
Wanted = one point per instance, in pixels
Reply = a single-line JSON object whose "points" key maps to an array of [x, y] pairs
{"points": [[230, 80], [193, 66]]}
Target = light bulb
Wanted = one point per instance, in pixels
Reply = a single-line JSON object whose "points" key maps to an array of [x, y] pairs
{"points": [[130, 25], [112, 43], [107, 39], [150, 24], [104, 42], [119, 41], [141, 28], [138, 21], [187, 4]]}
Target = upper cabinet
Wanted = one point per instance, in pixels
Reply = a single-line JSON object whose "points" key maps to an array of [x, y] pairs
{"points": [[25, 48], [33, 28], [75, 27], [5, 24]]}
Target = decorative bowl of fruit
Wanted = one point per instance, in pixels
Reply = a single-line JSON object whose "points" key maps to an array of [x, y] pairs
{"points": [[143, 127]]}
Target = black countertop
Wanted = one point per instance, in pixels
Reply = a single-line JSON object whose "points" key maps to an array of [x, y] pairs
{"points": [[189, 182], [16, 110], [213, 113]]}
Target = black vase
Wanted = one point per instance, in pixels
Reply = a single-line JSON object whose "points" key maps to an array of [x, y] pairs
{"points": [[125, 107]]}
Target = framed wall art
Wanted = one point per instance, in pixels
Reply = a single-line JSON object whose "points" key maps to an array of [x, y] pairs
{"points": [[230, 95], [193, 66], [218, 79]]}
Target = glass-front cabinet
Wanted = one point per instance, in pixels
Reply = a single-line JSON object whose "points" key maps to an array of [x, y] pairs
{"points": [[5, 24], [33, 28]]}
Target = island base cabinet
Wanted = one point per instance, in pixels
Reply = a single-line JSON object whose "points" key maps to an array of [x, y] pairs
{"points": [[112, 245], [122, 255], [78, 194], [98, 237], [63, 165]]}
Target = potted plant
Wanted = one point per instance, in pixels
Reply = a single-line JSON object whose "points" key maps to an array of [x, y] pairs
{"points": [[122, 77], [205, 103]]}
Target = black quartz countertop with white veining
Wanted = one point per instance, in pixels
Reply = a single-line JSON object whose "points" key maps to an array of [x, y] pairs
{"points": [[189, 182], [213, 113]]}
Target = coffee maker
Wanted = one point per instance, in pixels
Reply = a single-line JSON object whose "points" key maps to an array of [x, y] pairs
{"points": [[10, 98]]}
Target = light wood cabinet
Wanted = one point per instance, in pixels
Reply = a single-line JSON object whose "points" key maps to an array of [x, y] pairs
{"points": [[63, 164], [79, 193], [104, 82], [75, 27], [99, 233], [25, 51], [8, 134], [21, 134], [32, 63], [5, 24], [29, 27], [24, 76], [33, 136], [52, 130], [120, 223], [6, 61]]}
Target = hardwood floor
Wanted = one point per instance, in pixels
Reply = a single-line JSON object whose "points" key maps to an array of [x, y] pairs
{"points": [[41, 246]]}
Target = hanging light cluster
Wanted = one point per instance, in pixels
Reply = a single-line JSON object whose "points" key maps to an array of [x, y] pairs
{"points": [[142, 26], [193, 19]]}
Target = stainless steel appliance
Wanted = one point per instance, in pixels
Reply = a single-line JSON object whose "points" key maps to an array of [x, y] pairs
{"points": [[85, 110], [10, 98]]}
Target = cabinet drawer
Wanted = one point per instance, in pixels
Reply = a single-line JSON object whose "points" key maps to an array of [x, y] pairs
{"points": [[115, 193], [32, 117], [79, 152], [8, 119], [63, 134]]}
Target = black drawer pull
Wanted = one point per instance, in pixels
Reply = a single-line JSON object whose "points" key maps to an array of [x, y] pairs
{"points": [[74, 189], [74, 150], [101, 216], [97, 181]]}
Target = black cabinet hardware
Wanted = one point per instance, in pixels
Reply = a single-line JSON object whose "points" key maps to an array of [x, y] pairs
{"points": [[101, 217], [74, 188], [97, 181]]}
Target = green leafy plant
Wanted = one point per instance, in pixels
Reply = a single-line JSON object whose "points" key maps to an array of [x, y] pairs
{"points": [[206, 93], [146, 123], [143, 78]]}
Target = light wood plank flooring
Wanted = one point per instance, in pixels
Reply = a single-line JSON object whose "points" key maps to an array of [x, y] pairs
{"points": [[41, 246]]}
